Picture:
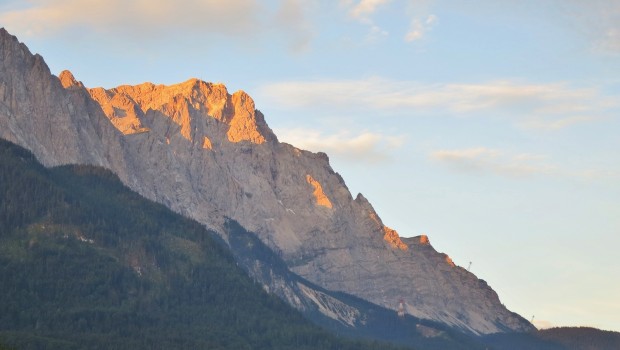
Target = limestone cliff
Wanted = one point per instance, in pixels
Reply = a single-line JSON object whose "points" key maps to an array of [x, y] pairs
{"points": [[210, 155], [57, 124], [127, 106]]}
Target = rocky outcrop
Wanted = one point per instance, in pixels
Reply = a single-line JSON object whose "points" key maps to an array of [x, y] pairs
{"points": [[210, 155], [319, 195], [392, 237], [55, 118], [122, 111], [127, 106]]}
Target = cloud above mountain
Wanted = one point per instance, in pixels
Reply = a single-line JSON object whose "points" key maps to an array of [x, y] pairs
{"points": [[163, 22], [365, 147], [136, 18], [496, 161], [527, 105], [516, 165]]}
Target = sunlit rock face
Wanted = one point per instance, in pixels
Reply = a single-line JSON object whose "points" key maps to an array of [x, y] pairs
{"points": [[126, 106], [319, 195], [209, 155], [392, 237]]}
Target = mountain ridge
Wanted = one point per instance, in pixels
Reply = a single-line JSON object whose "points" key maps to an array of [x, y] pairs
{"points": [[84, 229], [213, 156], [86, 263], [237, 110]]}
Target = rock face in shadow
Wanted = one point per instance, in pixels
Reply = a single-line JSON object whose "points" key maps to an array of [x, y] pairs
{"points": [[209, 154]]}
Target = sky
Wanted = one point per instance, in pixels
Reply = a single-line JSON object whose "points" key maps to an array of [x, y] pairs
{"points": [[491, 126]]}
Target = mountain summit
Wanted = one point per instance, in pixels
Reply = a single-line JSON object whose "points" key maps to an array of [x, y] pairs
{"points": [[185, 104], [210, 155]]}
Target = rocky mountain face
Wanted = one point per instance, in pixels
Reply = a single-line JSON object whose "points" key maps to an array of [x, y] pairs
{"points": [[209, 154], [62, 290]]}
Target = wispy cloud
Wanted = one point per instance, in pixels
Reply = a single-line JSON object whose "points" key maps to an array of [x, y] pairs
{"points": [[368, 147], [292, 20], [541, 106], [138, 18], [494, 161], [483, 160], [375, 34], [364, 9], [418, 28], [599, 20], [130, 23], [542, 123], [610, 41]]}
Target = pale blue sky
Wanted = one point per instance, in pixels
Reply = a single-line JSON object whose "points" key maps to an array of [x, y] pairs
{"points": [[491, 126]]}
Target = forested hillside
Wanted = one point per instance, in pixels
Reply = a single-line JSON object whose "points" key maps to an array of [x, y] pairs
{"points": [[86, 263], [583, 338]]}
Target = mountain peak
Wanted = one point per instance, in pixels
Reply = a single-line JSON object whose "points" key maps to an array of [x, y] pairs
{"points": [[210, 155], [246, 121], [4, 33], [6, 36], [423, 240], [68, 80], [187, 104]]}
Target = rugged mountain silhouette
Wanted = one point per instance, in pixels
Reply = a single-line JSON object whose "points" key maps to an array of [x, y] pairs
{"points": [[210, 155], [87, 263]]}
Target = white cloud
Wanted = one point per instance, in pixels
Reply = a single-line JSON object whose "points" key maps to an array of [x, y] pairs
{"points": [[419, 28], [431, 20], [365, 8], [416, 31], [292, 20], [363, 11], [541, 106], [484, 160], [494, 161], [468, 154], [599, 20], [375, 34], [150, 24], [555, 124], [610, 41], [369, 147], [137, 19]]}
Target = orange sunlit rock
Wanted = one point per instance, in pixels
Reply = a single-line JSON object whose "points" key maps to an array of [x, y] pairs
{"points": [[243, 125], [319, 195], [392, 237], [449, 261], [424, 240], [68, 80], [126, 105], [389, 235], [206, 144], [122, 112]]}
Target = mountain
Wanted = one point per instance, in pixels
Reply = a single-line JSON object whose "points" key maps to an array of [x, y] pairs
{"points": [[211, 156], [87, 263]]}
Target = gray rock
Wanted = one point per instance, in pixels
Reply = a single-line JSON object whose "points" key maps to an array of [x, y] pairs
{"points": [[209, 155]]}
